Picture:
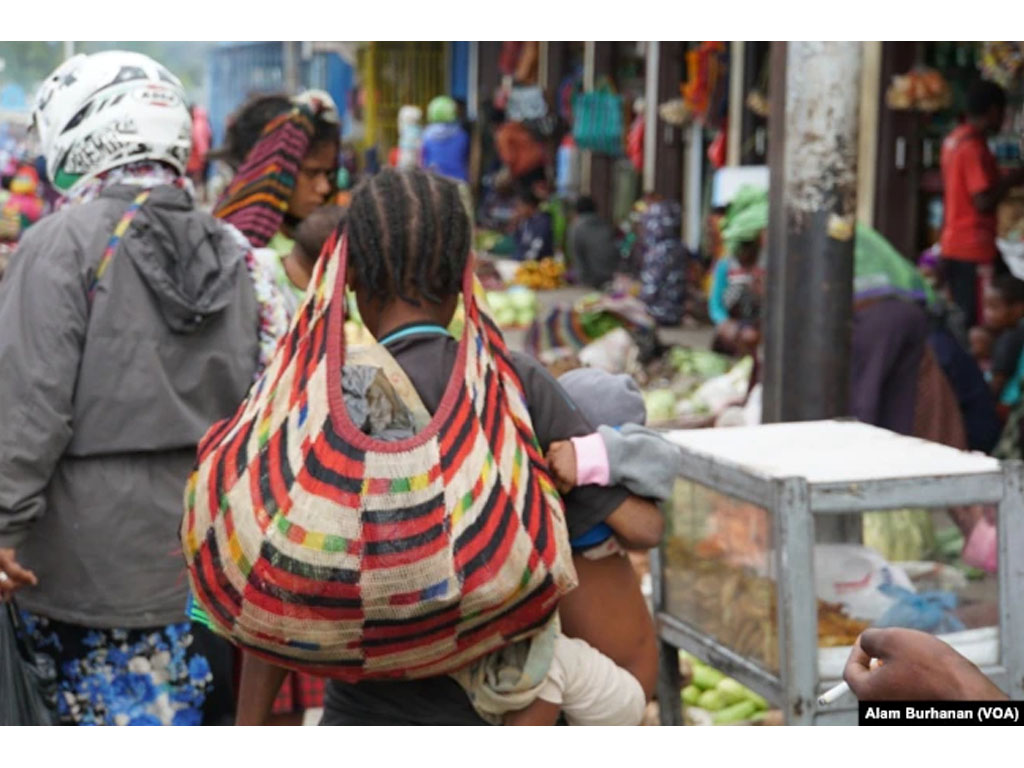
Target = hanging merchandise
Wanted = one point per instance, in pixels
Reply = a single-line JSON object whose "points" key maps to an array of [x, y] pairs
{"points": [[675, 112], [717, 150], [922, 89], [526, 102], [568, 90], [707, 79], [635, 141], [598, 122], [1001, 62]]}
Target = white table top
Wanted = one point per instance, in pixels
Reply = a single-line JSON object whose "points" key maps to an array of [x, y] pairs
{"points": [[830, 452]]}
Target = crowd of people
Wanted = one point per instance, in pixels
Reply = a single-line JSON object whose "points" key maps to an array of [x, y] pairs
{"points": [[137, 329], [131, 321]]}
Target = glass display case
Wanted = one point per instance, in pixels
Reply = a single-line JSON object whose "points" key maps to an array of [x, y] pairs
{"points": [[784, 542]]}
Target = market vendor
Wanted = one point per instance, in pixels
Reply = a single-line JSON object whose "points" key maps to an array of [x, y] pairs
{"points": [[737, 286], [973, 188]]}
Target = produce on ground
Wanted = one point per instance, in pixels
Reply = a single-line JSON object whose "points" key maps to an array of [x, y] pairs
{"points": [[545, 274], [516, 307]]}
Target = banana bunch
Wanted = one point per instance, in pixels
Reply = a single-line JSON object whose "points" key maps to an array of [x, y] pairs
{"points": [[543, 275]]}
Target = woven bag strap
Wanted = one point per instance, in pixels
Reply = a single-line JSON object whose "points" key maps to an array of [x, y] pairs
{"points": [[115, 239]]}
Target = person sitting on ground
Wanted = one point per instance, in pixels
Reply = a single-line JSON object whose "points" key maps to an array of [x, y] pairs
{"points": [[534, 236], [593, 252], [737, 284], [955, 350], [915, 666], [408, 234], [1003, 313]]}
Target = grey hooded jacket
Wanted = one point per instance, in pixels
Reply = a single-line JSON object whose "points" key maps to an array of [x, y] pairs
{"points": [[101, 406]]}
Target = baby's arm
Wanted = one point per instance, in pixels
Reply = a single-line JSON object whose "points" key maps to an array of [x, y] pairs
{"points": [[632, 456]]}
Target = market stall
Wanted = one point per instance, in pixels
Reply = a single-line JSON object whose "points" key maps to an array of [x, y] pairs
{"points": [[741, 583]]}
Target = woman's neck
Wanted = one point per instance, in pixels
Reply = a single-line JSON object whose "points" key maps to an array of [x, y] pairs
{"points": [[399, 313]]}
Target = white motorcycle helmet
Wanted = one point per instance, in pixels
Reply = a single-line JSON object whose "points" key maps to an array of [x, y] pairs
{"points": [[102, 111]]}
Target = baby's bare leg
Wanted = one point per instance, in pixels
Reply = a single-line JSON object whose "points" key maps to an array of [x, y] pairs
{"points": [[540, 712]]}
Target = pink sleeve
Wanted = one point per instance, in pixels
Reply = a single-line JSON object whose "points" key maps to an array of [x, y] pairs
{"points": [[591, 460]]}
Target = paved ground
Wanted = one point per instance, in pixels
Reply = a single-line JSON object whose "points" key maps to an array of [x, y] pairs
{"points": [[684, 336]]}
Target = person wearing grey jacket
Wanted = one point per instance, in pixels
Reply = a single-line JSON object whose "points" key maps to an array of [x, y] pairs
{"points": [[129, 324]]}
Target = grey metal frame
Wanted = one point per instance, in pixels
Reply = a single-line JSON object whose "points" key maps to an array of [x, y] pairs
{"points": [[794, 504]]}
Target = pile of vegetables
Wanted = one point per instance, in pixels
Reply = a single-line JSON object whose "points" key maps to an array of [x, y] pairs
{"points": [[701, 363], [543, 275], [513, 308], [728, 701]]}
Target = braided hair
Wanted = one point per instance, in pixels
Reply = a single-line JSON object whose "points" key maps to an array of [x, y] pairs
{"points": [[408, 236]]}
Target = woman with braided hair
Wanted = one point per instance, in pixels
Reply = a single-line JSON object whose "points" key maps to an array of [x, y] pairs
{"points": [[408, 244]]}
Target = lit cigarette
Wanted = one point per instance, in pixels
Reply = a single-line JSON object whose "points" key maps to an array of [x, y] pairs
{"points": [[833, 694]]}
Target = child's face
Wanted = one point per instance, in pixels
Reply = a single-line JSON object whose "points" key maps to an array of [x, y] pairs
{"points": [[524, 210], [997, 314], [980, 342], [748, 252]]}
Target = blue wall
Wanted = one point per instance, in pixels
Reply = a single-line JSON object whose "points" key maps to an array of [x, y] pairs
{"points": [[458, 87], [237, 71]]}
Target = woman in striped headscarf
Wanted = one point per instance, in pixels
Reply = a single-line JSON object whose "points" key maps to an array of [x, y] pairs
{"points": [[286, 152]]}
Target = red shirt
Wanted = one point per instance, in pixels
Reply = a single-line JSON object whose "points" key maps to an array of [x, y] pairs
{"points": [[968, 167]]}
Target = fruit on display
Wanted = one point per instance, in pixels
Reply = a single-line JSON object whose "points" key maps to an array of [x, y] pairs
{"points": [[725, 700], [543, 275]]}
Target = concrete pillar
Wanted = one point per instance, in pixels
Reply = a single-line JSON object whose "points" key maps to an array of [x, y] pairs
{"points": [[810, 249]]}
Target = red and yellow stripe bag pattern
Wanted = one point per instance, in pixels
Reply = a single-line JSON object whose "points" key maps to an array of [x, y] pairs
{"points": [[325, 550]]}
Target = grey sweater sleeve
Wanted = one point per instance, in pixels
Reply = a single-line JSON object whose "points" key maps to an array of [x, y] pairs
{"points": [[43, 316], [641, 460]]}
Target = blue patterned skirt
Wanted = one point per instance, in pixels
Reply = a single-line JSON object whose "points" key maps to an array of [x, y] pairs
{"points": [[153, 676]]}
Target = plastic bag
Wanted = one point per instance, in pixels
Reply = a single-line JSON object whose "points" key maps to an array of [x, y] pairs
{"points": [[28, 681]]}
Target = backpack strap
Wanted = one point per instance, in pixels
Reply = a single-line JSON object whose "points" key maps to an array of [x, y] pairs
{"points": [[115, 239]]}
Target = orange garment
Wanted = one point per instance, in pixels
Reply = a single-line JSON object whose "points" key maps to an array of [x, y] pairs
{"points": [[518, 149], [968, 167]]}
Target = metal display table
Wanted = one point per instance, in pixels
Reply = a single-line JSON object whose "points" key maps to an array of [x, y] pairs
{"points": [[734, 580]]}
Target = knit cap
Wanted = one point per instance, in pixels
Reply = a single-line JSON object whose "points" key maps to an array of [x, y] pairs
{"points": [[605, 398]]}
